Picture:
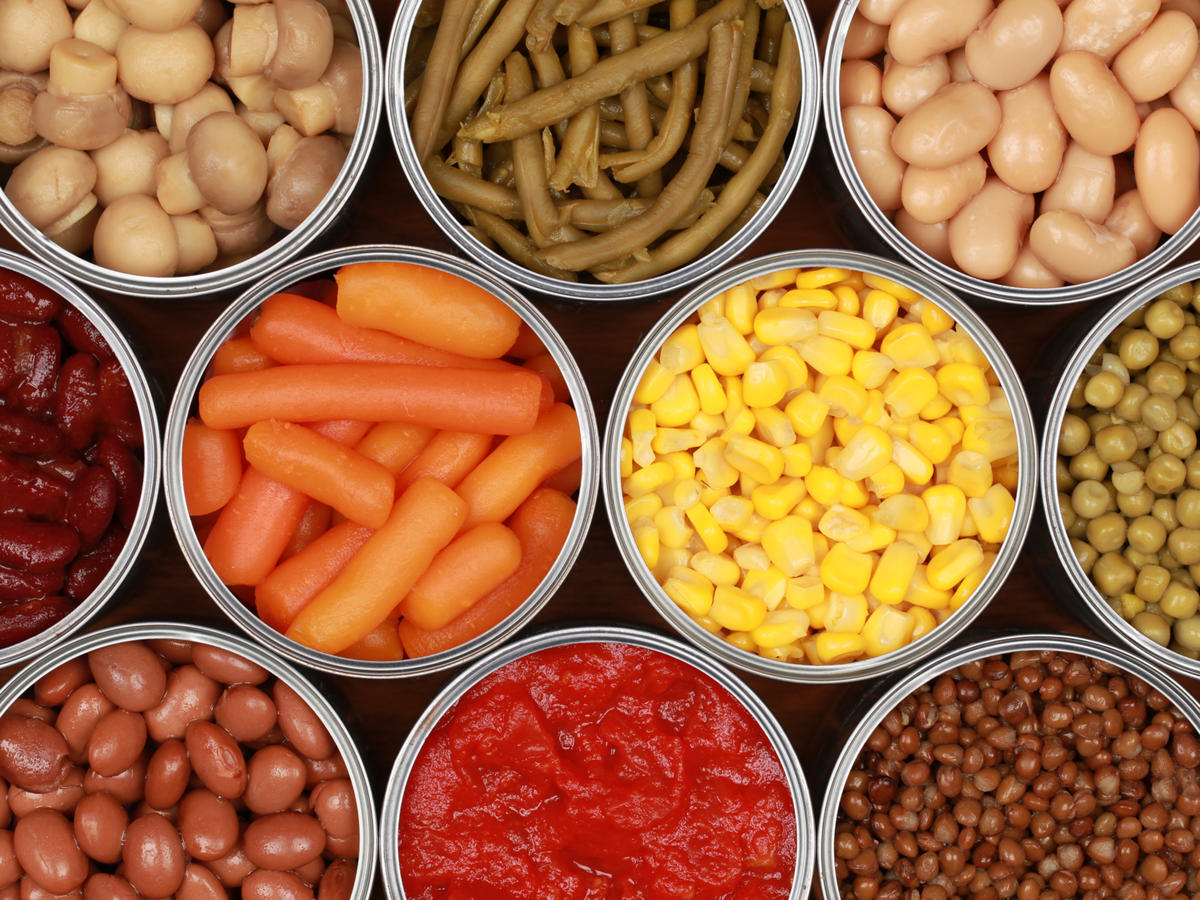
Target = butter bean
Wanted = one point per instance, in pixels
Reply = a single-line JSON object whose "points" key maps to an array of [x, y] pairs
{"points": [[1191, 7], [1027, 151], [1129, 217], [907, 87], [1155, 61], [1103, 27], [864, 39], [1086, 184], [1166, 164], [1014, 43], [860, 83], [1094, 108], [1185, 96], [933, 239], [934, 195], [986, 234], [921, 28], [960, 119], [881, 12], [1077, 249], [869, 140], [1029, 272]]}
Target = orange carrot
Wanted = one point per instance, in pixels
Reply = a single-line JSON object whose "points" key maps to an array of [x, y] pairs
{"points": [[545, 365], [394, 445], [294, 582], [541, 523], [448, 458], [249, 535], [239, 354], [344, 431], [359, 488], [294, 329], [566, 479], [512, 471], [212, 467], [527, 344], [500, 402], [426, 305], [315, 523], [423, 521], [474, 563], [381, 644]]}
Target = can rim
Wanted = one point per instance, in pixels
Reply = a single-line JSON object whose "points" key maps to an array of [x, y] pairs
{"points": [[926, 672], [389, 818], [1091, 342], [139, 530], [193, 374], [945, 631], [802, 137], [881, 225], [266, 258]]}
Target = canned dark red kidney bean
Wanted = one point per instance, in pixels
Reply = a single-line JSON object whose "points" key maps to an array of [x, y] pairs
{"points": [[119, 782], [1033, 774]]}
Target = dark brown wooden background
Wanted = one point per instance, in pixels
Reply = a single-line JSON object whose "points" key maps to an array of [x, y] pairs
{"points": [[602, 337]]}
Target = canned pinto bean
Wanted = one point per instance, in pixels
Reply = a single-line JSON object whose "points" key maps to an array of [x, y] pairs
{"points": [[1027, 154], [818, 466], [415, 479], [1020, 765]]}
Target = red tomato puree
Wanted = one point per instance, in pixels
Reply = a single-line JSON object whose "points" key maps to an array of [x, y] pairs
{"points": [[597, 771]]}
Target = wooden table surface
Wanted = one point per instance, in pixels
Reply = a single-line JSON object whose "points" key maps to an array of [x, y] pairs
{"points": [[602, 336]]}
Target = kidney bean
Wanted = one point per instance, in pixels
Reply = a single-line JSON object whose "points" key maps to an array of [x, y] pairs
{"points": [[81, 334], [300, 724], [33, 755], [233, 867], [199, 883], [16, 587], [8, 359], [126, 471], [45, 847], [167, 775], [266, 885], [127, 786], [190, 696], [245, 712], [227, 667], [118, 408], [275, 780], [100, 823], [91, 502], [153, 856], [208, 824], [24, 300], [53, 688], [337, 882], [216, 759], [129, 674], [89, 568], [77, 400], [27, 492], [324, 769], [36, 546], [63, 798], [116, 742], [37, 351], [103, 886], [22, 433], [284, 840], [10, 869]]}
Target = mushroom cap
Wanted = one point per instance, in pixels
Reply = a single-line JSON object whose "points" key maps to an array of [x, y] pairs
{"points": [[239, 235], [343, 76], [208, 100], [228, 162], [16, 115], [28, 29], [50, 183], [197, 245], [305, 43], [134, 235], [126, 166], [156, 15], [303, 179], [82, 121], [164, 67]]}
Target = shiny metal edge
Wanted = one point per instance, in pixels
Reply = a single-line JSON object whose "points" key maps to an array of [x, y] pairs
{"points": [[805, 129], [943, 633], [1085, 348], [882, 225], [389, 818], [151, 455], [264, 261], [140, 631], [827, 879], [193, 374]]}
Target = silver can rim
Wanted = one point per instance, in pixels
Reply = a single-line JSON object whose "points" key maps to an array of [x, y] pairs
{"points": [[264, 260], [1145, 267], [805, 129], [141, 631], [927, 672], [944, 632], [139, 530], [193, 374], [1117, 627], [389, 818]]}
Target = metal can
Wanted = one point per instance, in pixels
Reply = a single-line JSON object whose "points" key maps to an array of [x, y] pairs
{"points": [[865, 724], [444, 702], [1022, 421], [452, 226], [346, 745], [891, 236], [151, 448], [272, 255], [183, 405], [1088, 601]]}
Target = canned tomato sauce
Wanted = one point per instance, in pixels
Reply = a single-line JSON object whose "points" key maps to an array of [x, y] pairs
{"points": [[597, 770]]}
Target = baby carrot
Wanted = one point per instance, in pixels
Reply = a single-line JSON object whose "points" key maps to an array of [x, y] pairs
{"points": [[294, 582], [423, 521], [566, 479], [239, 354], [394, 445], [474, 563], [527, 344], [249, 535], [294, 329], [382, 644], [359, 488], [514, 469], [344, 431], [426, 305], [448, 458], [544, 365], [489, 402], [212, 467], [313, 524], [541, 524]]}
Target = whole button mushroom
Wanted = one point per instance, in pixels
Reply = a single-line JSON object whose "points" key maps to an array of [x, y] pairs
{"points": [[134, 235], [98, 24], [289, 41], [28, 29], [241, 233], [164, 67], [18, 136], [157, 15], [228, 162], [53, 188], [333, 102], [303, 178], [82, 107], [196, 242], [176, 124], [127, 165]]}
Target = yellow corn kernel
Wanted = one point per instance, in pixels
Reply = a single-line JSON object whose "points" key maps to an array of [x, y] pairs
{"points": [[678, 405], [846, 571], [804, 592], [708, 389], [847, 613], [642, 507], [900, 292], [681, 351], [952, 563], [870, 368], [690, 590], [626, 457], [808, 298], [874, 414], [879, 308], [746, 485], [845, 396], [784, 325], [889, 583], [773, 280], [711, 309], [788, 544], [947, 507], [952, 425], [673, 440], [797, 460], [934, 318], [755, 458], [774, 501], [824, 485], [767, 584], [931, 440], [853, 494], [993, 513], [793, 366], [840, 523], [788, 653], [910, 345], [682, 463], [935, 408], [887, 629], [1008, 473], [877, 537], [963, 384], [772, 425], [781, 627], [887, 482], [810, 510], [903, 512], [827, 355], [969, 528], [751, 557], [673, 529], [849, 329], [923, 594], [848, 300], [912, 462], [650, 478], [719, 568], [908, 391], [925, 622], [815, 278], [807, 413], [707, 425], [706, 527], [964, 349], [742, 640], [708, 624], [764, 383], [643, 426], [653, 384], [736, 609], [731, 512], [971, 471], [645, 537], [741, 304], [971, 582], [816, 614], [741, 423], [752, 529], [724, 347], [835, 647], [867, 453], [995, 438], [683, 493], [844, 430]]}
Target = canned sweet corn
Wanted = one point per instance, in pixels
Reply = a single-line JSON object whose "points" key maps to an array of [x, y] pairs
{"points": [[835, 464]]}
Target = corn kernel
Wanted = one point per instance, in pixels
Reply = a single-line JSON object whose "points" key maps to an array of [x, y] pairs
{"points": [[768, 585], [932, 441], [970, 471], [845, 396], [912, 462], [793, 366], [887, 629], [708, 624], [755, 458], [672, 440], [892, 576], [724, 347], [781, 627], [707, 425], [807, 413], [816, 614], [788, 544], [804, 592], [653, 383], [969, 528], [877, 537], [645, 537], [711, 309], [824, 485], [642, 507], [774, 501], [880, 308], [1008, 473], [846, 571], [772, 425], [900, 292], [866, 454], [797, 460], [910, 345], [784, 325], [963, 384], [925, 622], [683, 493], [773, 280], [834, 647], [626, 464], [870, 368], [677, 406], [810, 510], [732, 512], [751, 558], [719, 568], [681, 351], [683, 464], [971, 581], [848, 300], [714, 468], [840, 523], [923, 594], [752, 529], [947, 507], [741, 304], [708, 389], [903, 512], [742, 640], [992, 513], [849, 329], [742, 422], [808, 298], [690, 590], [736, 609], [764, 383], [847, 613], [853, 494], [953, 563], [827, 355], [935, 408], [673, 529], [934, 318], [706, 527], [965, 350], [815, 278], [995, 438], [746, 485], [650, 478], [643, 426], [908, 391]]}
